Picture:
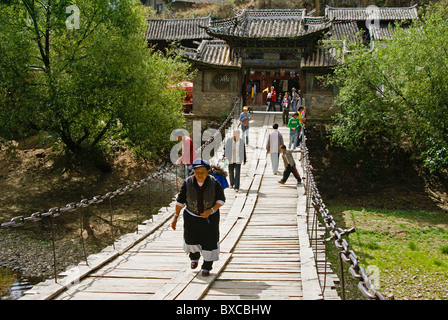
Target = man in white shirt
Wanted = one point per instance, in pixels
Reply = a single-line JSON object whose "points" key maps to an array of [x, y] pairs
{"points": [[235, 152], [273, 144]]}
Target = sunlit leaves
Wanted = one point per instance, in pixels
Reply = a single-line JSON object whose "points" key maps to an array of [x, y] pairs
{"points": [[397, 93], [90, 84]]}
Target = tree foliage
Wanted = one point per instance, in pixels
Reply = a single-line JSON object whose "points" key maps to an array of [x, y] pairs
{"points": [[86, 84], [396, 94]]}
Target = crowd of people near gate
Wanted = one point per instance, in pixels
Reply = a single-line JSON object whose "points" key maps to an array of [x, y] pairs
{"points": [[202, 193], [287, 101]]}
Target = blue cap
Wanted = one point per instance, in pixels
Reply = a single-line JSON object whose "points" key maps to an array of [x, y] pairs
{"points": [[200, 163]]}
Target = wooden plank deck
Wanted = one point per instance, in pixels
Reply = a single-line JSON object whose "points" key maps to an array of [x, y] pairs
{"points": [[265, 251]]}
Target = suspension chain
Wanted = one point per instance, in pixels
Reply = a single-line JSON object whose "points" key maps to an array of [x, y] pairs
{"points": [[365, 285], [73, 206]]}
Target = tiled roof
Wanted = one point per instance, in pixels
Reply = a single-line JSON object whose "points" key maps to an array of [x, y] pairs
{"points": [[381, 33], [201, 1], [384, 32], [345, 30], [321, 57], [177, 29], [212, 52], [218, 53], [358, 14], [268, 24]]}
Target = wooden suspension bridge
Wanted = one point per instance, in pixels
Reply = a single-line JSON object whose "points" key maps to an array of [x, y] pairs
{"points": [[265, 247]]}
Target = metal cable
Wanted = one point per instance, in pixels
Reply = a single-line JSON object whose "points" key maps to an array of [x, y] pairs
{"points": [[347, 255], [73, 206]]}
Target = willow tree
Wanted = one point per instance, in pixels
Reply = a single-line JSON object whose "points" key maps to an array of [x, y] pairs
{"points": [[81, 71]]}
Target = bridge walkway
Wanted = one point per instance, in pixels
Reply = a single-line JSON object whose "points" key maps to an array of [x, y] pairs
{"points": [[265, 248]]}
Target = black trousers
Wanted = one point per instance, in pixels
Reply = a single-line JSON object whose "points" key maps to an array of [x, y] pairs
{"points": [[203, 232], [285, 116], [234, 174], [271, 104], [291, 169], [206, 265]]}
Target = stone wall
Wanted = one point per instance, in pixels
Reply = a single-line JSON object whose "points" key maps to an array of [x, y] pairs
{"points": [[320, 104], [319, 97], [214, 92]]}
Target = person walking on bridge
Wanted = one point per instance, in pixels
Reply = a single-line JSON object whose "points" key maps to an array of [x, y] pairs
{"points": [[244, 120], [290, 166], [294, 130], [273, 144], [286, 104], [294, 100], [235, 153], [202, 195], [271, 98], [188, 152]]}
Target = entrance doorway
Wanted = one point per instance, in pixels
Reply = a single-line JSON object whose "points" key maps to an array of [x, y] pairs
{"points": [[256, 81]]}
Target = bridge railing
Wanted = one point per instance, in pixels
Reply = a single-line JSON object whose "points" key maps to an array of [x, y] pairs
{"points": [[321, 213], [313, 200], [79, 206]]}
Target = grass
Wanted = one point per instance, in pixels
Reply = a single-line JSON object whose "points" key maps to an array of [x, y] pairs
{"points": [[407, 248], [444, 249]]}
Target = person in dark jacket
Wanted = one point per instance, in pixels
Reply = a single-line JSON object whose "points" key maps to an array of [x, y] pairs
{"points": [[286, 105], [290, 166], [202, 195]]}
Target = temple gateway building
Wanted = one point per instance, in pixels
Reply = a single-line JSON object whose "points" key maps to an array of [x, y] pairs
{"points": [[256, 49]]}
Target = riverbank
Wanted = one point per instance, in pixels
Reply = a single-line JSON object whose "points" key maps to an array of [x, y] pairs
{"points": [[33, 181], [401, 220]]}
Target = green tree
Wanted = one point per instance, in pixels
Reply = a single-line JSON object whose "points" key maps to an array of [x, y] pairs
{"points": [[396, 94], [85, 75]]}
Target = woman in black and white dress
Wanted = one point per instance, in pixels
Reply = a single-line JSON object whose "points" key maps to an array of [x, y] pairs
{"points": [[202, 195]]}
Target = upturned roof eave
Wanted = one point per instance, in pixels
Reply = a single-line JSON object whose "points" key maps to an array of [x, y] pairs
{"points": [[226, 37], [213, 65]]}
